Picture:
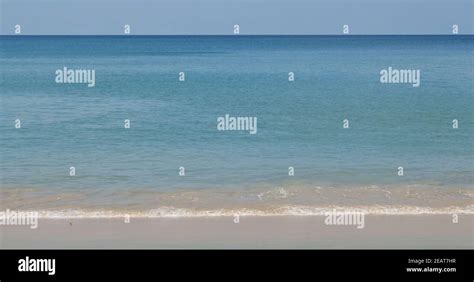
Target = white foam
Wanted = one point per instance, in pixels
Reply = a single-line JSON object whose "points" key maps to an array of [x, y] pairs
{"points": [[171, 212]]}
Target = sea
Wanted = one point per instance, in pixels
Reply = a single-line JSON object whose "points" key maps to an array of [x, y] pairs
{"points": [[399, 153]]}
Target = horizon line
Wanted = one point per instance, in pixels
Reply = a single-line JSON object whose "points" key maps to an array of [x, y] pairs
{"points": [[242, 35]]}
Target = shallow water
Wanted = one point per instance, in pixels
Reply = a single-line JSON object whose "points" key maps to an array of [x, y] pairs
{"points": [[173, 123]]}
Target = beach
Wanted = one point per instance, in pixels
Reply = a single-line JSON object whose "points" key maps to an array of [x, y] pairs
{"points": [[253, 232], [182, 133]]}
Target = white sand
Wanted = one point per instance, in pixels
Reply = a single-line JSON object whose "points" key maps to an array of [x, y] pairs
{"points": [[380, 231]]}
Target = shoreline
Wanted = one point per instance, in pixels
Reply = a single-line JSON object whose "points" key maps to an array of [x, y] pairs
{"points": [[251, 232], [285, 210], [262, 201]]}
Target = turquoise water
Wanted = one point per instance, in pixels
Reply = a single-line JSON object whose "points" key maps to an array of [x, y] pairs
{"points": [[173, 123]]}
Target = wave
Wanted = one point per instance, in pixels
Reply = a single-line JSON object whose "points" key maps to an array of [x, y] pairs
{"points": [[172, 212]]}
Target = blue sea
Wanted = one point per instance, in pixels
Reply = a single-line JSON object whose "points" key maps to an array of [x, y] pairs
{"points": [[174, 124]]}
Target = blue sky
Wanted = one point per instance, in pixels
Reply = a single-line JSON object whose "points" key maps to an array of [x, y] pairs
{"points": [[168, 17]]}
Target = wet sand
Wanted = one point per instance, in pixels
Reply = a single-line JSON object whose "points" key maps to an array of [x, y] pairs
{"points": [[280, 232]]}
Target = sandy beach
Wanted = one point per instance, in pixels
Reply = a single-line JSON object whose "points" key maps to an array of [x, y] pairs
{"points": [[281, 232]]}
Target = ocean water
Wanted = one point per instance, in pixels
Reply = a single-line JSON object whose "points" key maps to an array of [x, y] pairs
{"points": [[174, 124]]}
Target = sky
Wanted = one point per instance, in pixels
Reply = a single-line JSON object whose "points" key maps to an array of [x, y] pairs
{"points": [[218, 17]]}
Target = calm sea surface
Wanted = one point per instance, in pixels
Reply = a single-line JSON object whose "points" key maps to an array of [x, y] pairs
{"points": [[173, 124]]}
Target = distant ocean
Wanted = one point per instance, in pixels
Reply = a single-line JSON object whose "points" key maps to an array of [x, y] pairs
{"points": [[173, 124]]}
